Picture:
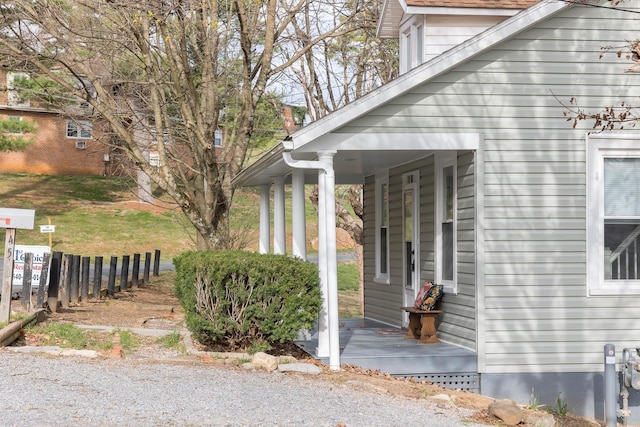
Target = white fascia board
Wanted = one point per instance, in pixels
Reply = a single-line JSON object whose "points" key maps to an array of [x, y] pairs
{"points": [[423, 73], [270, 157], [383, 12], [421, 10], [395, 141]]}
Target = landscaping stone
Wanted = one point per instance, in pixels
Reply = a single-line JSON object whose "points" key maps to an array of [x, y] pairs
{"points": [[265, 361], [441, 397], [55, 351], [539, 419], [303, 368], [506, 410]]}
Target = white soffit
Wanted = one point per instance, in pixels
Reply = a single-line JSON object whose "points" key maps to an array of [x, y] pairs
{"points": [[393, 141]]}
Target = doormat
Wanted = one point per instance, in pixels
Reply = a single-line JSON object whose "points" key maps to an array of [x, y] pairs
{"points": [[391, 332]]}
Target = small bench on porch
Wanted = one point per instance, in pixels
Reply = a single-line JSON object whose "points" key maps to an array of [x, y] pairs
{"points": [[422, 325]]}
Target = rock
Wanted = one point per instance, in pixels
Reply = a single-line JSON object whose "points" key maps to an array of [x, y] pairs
{"points": [[56, 351], [366, 385], [90, 354], [303, 368], [116, 351], [265, 361], [286, 359], [507, 411], [539, 419], [231, 362], [441, 397]]}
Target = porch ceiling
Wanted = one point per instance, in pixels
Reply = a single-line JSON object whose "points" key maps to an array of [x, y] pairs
{"points": [[350, 166], [357, 155]]}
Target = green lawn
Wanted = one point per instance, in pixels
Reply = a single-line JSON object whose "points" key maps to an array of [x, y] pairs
{"points": [[94, 217]]}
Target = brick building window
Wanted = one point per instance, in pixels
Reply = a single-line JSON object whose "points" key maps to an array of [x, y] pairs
{"points": [[79, 129], [14, 125]]}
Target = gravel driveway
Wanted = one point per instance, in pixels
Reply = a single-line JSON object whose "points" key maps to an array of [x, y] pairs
{"points": [[42, 391]]}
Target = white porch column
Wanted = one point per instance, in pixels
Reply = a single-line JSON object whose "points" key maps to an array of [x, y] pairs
{"points": [[265, 219], [328, 322], [279, 231], [323, 316], [328, 214], [299, 246]]}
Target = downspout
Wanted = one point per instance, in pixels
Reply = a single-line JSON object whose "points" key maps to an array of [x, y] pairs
{"points": [[265, 220], [327, 262], [298, 219], [279, 232]]}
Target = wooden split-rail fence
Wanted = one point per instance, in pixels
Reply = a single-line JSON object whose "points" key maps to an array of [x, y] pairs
{"points": [[69, 278]]}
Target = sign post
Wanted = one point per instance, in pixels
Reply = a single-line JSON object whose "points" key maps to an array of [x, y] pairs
{"points": [[48, 229], [11, 219]]}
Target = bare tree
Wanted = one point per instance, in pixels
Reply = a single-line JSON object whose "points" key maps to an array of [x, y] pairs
{"points": [[163, 77], [336, 72]]}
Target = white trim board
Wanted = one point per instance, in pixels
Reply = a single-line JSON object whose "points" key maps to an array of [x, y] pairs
{"points": [[394, 141]]}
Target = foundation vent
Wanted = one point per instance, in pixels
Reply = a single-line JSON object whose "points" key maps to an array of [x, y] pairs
{"points": [[462, 381]]}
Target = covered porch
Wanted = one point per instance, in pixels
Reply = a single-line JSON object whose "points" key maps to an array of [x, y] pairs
{"points": [[315, 156], [373, 345]]}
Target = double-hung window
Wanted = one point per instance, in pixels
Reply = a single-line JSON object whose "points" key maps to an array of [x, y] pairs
{"points": [[613, 215], [79, 129], [411, 44], [382, 228], [445, 223], [13, 94]]}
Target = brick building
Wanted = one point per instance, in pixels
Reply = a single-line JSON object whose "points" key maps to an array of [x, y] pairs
{"points": [[60, 146]]}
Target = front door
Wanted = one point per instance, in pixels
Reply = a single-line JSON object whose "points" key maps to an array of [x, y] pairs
{"points": [[411, 238]]}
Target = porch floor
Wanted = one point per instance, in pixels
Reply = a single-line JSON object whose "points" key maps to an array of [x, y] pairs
{"points": [[376, 346]]}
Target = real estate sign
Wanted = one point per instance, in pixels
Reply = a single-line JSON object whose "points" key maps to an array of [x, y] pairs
{"points": [[18, 263]]}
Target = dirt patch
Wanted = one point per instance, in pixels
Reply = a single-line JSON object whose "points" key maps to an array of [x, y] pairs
{"points": [[135, 308], [155, 306]]}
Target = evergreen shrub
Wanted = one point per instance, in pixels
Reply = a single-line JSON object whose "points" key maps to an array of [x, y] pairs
{"points": [[244, 299]]}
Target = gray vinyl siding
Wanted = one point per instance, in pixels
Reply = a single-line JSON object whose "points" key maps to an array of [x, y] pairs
{"points": [[537, 317], [382, 301], [369, 243], [444, 32], [459, 321]]}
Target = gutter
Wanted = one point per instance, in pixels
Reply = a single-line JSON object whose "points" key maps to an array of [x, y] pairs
{"points": [[257, 168]]}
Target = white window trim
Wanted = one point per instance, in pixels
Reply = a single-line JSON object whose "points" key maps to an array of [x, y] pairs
{"points": [[406, 57], [599, 147], [80, 125], [410, 43], [381, 179], [443, 160]]}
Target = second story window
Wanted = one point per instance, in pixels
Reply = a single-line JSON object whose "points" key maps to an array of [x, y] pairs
{"points": [[13, 95], [217, 135], [79, 129], [412, 45]]}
